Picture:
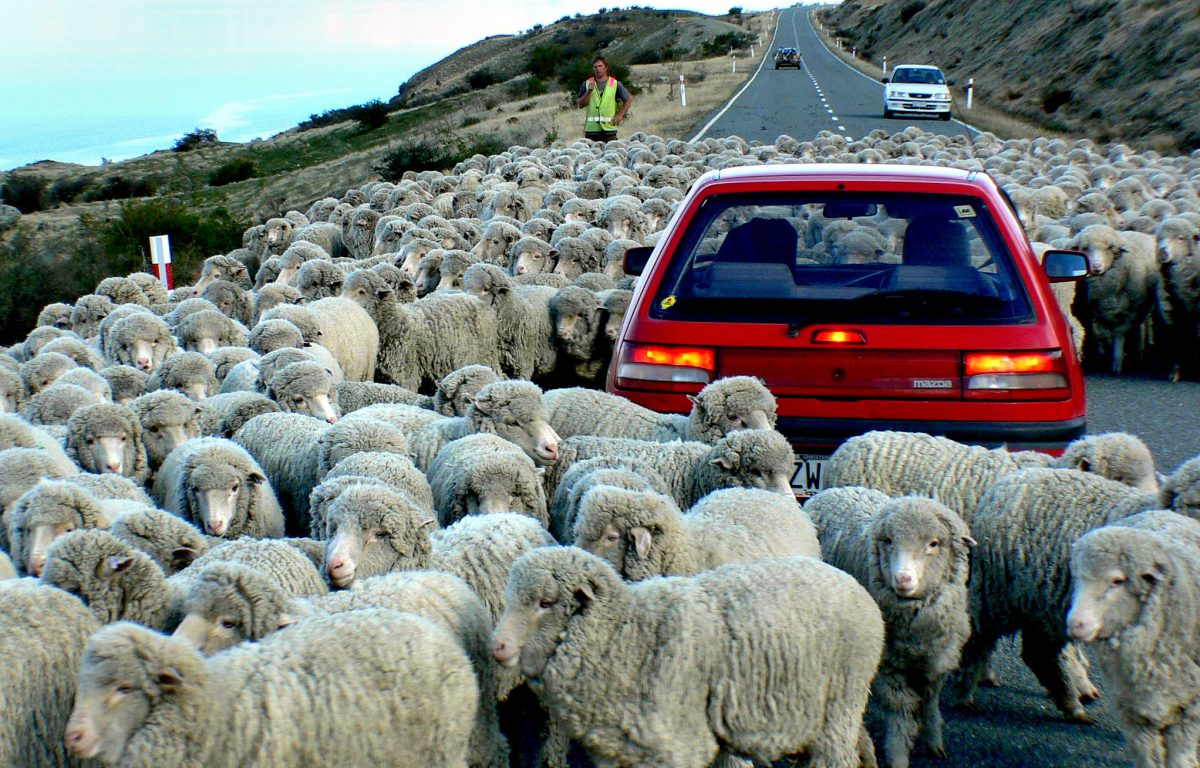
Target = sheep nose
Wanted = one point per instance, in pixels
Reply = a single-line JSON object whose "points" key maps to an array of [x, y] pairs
{"points": [[37, 564], [144, 363], [522, 269], [80, 741], [504, 651], [216, 528], [331, 419], [113, 466], [563, 333]]}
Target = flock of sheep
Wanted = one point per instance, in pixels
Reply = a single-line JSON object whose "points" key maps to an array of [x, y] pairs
{"points": [[362, 472]]}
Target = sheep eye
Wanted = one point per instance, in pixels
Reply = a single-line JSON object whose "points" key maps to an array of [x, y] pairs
{"points": [[546, 602], [153, 430], [235, 488], [887, 541], [934, 544], [228, 624], [1119, 580], [89, 441], [122, 438]]}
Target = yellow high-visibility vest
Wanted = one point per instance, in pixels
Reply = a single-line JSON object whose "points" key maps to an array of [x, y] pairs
{"points": [[602, 107]]}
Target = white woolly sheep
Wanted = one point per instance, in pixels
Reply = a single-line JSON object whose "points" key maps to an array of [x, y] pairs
{"points": [[420, 343], [43, 632], [305, 387], [190, 373], [230, 300], [107, 437], [218, 485], [575, 256], [524, 326], [494, 243], [823, 629], [912, 556], [643, 534], [273, 295], [89, 380], [50, 509], [1025, 525], [353, 395], [74, 348], [208, 329], [319, 279], [169, 540], [229, 604], [223, 415], [20, 471], [168, 420], [89, 310], [629, 474], [531, 254], [122, 290], [12, 392], [16, 432], [749, 458], [457, 388], [512, 410], [287, 447], [485, 474], [57, 315], [56, 404], [194, 709], [140, 340], [1179, 299], [451, 269], [1134, 598], [272, 334], [43, 369], [350, 335], [221, 267]]}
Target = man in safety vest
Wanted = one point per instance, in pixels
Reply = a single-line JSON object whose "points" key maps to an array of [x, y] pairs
{"points": [[600, 95]]}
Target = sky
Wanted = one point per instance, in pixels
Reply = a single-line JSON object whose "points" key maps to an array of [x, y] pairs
{"points": [[82, 80]]}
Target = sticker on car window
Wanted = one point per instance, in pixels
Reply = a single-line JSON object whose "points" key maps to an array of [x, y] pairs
{"points": [[668, 302], [965, 211]]}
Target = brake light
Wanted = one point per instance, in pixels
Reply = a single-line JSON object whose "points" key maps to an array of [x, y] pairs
{"points": [[655, 362], [838, 337], [1006, 375]]}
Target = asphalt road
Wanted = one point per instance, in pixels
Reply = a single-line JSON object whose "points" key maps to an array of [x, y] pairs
{"points": [[1015, 724], [827, 95]]}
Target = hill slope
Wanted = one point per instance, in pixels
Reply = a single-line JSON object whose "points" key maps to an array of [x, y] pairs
{"points": [[1112, 70]]}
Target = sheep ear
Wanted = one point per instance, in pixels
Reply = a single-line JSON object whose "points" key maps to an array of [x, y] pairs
{"points": [[482, 404], [693, 399], [1084, 465], [722, 461], [182, 557], [642, 541], [170, 680], [428, 522], [254, 478], [970, 542], [503, 289], [286, 620], [116, 564], [1152, 575], [586, 595]]}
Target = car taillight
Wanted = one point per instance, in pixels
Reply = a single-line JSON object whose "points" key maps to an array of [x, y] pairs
{"points": [[1016, 375], [832, 336], [656, 362]]}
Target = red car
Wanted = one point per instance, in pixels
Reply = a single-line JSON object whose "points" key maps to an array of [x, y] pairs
{"points": [[866, 297]]}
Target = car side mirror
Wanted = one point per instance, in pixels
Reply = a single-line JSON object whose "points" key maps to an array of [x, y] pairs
{"points": [[887, 80], [949, 82], [635, 259], [1064, 266]]}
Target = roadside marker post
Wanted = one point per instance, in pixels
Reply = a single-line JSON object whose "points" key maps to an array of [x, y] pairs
{"points": [[682, 92], [970, 91], [885, 65], [160, 256]]}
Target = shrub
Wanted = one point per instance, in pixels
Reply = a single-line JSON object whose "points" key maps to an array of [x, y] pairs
{"points": [[911, 9], [535, 86], [122, 188], [482, 78], [234, 171], [1055, 98], [373, 114], [544, 60], [24, 191], [723, 42], [196, 139], [67, 190], [429, 154], [470, 120]]}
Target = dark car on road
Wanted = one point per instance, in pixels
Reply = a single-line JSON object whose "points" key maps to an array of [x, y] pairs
{"points": [[865, 297], [788, 57]]}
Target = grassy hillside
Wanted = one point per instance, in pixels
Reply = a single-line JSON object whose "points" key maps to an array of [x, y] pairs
{"points": [[1111, 70]]}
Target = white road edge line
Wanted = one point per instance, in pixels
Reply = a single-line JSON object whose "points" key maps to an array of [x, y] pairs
{"points": [[868, 77], [729, 104]]}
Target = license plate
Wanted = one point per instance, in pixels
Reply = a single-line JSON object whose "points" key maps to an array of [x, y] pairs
{"points": [[809, 474]]}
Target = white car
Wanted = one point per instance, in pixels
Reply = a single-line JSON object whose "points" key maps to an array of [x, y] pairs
{"points": [[916, 88]]}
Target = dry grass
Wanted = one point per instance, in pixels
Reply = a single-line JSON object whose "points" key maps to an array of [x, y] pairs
{"points": [[982, 115]]}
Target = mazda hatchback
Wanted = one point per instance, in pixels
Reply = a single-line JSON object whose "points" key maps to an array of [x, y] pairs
{"points": [[866, 297]]}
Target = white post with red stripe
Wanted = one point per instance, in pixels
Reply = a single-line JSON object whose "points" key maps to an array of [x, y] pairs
{"points": [[160, 255]]}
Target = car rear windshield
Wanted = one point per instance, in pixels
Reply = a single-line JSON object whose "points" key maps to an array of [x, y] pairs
{"points": [[925, 76], [813, 257]]}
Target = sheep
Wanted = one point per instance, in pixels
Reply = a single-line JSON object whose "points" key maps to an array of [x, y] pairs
{"points": [[270, 335], [494, 243], [326, 235], [420, 343], [12, 392], [190, 373], [752, 458], [43, 513], [286, 446], [576, 255], [1025, 525], [912, 556], [107, 437], [187, 307], [385, 468], [56, 404], [168, 420], [1120, 298], [16, 432], [230, 300], [229, 604], [300, 317], [208, 329], [736, 402], [484, 474], [305, 387], [20, 471], [89, 310], [429, 271], [453, 265], [170, 541], [197, 711], [531, 254], [221, 267], [958, 475], [141, 340], [218, 485], [43, 632], [1178, 303], [824, 631], [408, 258], [277, 235], [42, 370], [629, 474], [273, 295], [457, 389], [358, 232], [1134, 597], [223, 415], [57, 315], [122, 290], [319, 279], [523, 325], [74, 348], [89, 380], [353, 395], [578, 322], [350, 335], [512, 410]]}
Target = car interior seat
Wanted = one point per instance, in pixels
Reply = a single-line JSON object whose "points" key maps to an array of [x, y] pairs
{"points": [[936, 241], [771, 241]]}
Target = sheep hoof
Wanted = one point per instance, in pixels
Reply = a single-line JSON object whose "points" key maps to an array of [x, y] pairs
{"points": [[938, 751], [1090, 695], [990, 680], [1081, 717], [969, 705]]}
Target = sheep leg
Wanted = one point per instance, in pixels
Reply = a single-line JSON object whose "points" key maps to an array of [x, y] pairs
{"points": [[866, 749], [1075, 666], [1180, 741], [976, 665], [901, 705], [1041, 654], [1146, 744], [931, 718]]}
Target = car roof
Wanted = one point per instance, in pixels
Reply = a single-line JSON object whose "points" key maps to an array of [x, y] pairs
{"points": [[915, 66], [856, 171]]}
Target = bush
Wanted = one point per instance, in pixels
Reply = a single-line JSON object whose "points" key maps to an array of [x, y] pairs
{"points": [[723, 42], [371, 115], [1055, 98], [234, 171], [196, 139], [482, 78], [535, 86], [66, 191], [439, 154], [122, 188], [24, 191], [544, 60], [38, 271], [911, 9]]}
